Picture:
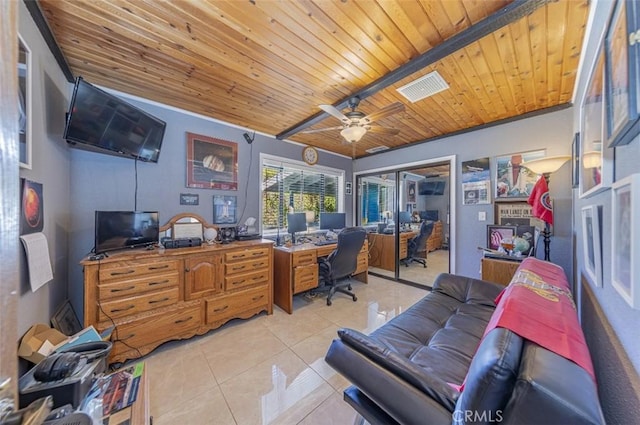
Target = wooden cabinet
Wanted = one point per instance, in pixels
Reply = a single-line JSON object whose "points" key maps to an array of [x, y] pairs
{"points": [[498, 271], [435, 239], [382, 249], [152, 297]]}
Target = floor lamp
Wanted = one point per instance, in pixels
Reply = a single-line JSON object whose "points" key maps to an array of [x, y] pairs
{"points": [[546, 166]]}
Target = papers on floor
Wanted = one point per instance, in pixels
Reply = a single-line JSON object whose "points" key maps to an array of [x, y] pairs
{"points": [[37, 249]]}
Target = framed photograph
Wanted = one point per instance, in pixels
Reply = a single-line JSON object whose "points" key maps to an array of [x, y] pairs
{"points": [[411, 191], [24, 103], [514, 181], [622, 115], [211, 163], [625, 239], [529, 234], [189, 199], [596, 172], [476, 182], [65, 320], [575, 161], [31, 207], [517, 214], [592, 248], [224, 209], [495, 234]]}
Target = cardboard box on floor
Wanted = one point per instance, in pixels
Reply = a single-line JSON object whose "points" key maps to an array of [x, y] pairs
{"points": [[42, 340], [39, 342]]}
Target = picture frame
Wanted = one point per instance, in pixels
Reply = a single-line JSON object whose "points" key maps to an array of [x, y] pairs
{"points": [[24, 103], [189, 199], [411, 191], [65, 319], [596, 172], [575, 162], [514, 181], [224, 209], [31, 207], [622, 86], [625, 234], [211, 163], [476, 182], [517, 213], [592, 244], [496, 233]]}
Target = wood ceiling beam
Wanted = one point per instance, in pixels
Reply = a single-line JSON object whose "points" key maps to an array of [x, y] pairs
{"points": [[507, 15]]}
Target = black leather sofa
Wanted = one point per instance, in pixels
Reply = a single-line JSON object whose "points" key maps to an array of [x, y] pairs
{"points": [[403, 372]]}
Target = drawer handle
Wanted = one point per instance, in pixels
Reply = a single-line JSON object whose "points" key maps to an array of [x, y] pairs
{"points": [[177, 322], [259, 297], [218, 310], [158, 283], [237, 256], [121, 273], [123, 289], [238, 282], [118, 310], [257, 278], [159, 267], [159, 301], [255, 254], [127, 337], [239, 268]]}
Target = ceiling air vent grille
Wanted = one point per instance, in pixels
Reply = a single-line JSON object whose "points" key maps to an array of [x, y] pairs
{"points": [[425, 86], [377, 149]]}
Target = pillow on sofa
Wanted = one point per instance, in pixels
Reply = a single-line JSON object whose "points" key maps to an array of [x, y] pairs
{"points": [[436, 388], [467, 290], [492, 374]]}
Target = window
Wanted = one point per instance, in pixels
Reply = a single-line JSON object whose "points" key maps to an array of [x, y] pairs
{"points": [[377, 197], [289, 186]]}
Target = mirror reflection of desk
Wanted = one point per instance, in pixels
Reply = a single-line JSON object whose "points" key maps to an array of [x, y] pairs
{"points": [[382, 249], [296, 270]]}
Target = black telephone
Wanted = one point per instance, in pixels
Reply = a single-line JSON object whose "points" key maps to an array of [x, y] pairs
{"points": [[56, 367]]}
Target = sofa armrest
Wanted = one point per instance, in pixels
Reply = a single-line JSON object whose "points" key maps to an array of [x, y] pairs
{"points": [[401, 389]]}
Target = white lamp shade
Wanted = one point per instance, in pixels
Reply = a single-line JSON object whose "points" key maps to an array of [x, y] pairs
{"points": [[310, 216], [546, 165], [353, 134]]}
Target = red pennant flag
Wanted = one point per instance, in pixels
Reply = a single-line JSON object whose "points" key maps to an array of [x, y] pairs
{"points": [[541, 202]]}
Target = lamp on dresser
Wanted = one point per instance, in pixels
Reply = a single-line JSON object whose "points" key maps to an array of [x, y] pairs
{"points": [[539, 198]]}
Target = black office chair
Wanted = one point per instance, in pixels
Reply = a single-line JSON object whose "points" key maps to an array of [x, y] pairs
{"points": [[341, 263], [416, 243]]}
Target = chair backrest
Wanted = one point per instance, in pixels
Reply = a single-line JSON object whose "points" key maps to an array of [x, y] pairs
{"points": [[421, 238], [344, 259]]}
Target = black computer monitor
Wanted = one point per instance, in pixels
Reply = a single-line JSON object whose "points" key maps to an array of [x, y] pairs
{"points": [[332, 221], [296, 222], [404, 217], [429, 215]]}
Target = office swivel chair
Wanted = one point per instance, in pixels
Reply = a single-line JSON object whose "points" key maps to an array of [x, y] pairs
{"points": [[419, 241], [341, 263]]}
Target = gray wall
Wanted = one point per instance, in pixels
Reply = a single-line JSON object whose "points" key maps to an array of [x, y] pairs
{"points": [[553, 132], [104, 182], [50, 166], [623, 320]]}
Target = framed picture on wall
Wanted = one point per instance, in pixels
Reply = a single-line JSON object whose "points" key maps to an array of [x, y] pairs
{"points": [[575, 161], [625, 239], [592, 248], [24, 103], [622, 85], [211, 163], [224, 209], [514, 181], [496, 234], [411, 191]]}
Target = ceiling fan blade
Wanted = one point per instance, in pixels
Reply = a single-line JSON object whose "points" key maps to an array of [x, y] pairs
{"points": [[383, 130], [330, 109], [391, 109], [318, 130]]}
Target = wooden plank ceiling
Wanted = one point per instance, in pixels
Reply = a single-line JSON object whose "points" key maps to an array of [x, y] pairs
{"points": [[266, 65]]}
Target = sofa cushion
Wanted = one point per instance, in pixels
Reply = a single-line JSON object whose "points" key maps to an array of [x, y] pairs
{"points": [[492, 374]]}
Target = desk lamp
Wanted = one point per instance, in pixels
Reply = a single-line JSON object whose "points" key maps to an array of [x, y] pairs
{"points": [[310, 217], [539, 199]]}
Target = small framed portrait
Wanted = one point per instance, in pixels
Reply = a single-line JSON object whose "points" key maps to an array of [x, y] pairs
{"points": [[224, 209], [591, 250], [211, 163], [496, 234], [65, 320]]}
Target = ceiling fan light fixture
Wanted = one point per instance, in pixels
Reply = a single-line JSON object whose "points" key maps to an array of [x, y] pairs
{"points": [[353, 133]]}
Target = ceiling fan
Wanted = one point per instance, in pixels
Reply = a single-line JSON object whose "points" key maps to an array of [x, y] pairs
{"points": [[356, 124]]}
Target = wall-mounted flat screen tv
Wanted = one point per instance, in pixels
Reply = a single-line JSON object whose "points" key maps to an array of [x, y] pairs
{"points": [[431, 187], [125, 229], [101, 122]]}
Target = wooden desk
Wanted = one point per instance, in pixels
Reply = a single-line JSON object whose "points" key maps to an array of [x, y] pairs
{"points": [[498, 271], [381, 249], [296, 270]]}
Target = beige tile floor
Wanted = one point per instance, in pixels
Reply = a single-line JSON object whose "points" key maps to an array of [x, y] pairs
{"points": [[269, 369], [437, 262]]}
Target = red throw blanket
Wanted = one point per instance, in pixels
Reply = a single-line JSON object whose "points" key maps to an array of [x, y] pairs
{"points": [[538, 306]]}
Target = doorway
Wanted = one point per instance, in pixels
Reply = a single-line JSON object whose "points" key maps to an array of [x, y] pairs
{"points": [[407, 214]]}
